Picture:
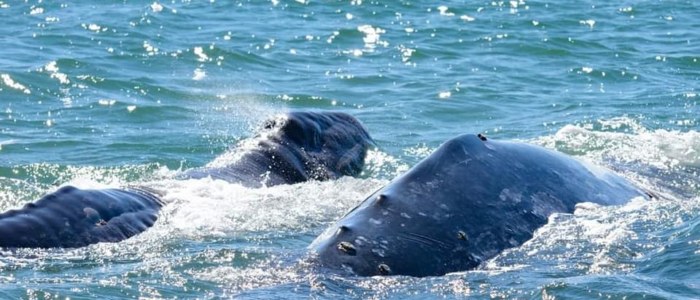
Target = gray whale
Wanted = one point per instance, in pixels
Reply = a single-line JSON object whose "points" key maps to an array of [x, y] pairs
{"points": [[465, 203], [298, 147], [72, 217]]}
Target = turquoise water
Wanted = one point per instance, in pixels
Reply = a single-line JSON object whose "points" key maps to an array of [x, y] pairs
{"points": [[108, 94]]}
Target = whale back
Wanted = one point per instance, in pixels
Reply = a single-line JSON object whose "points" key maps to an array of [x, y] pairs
{"points": [[72, 217], [465, 203]]}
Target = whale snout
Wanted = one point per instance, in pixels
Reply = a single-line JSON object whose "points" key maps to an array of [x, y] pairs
{"points": [[383, 237]]}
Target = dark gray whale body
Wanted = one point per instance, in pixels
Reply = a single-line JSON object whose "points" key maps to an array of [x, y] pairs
{"points": [[302, 146], [71, 217], [465, 203], [297, 147]]}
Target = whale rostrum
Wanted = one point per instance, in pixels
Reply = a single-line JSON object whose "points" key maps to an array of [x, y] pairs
{"points": [[465, 203]]}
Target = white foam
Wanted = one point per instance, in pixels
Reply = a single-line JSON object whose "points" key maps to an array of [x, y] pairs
{"points": [[106, 102], [150, 49], [601, 239], [94, 27], [201, 56], [419, 151], [8, 81], [156, 7], [628, 141], [378, 163], [198, 74], [444, 94], [590, 23], [36, 10], [248, 278], [213, 208], [445, 11], [467, 18], [52, 69], [372, 37]]}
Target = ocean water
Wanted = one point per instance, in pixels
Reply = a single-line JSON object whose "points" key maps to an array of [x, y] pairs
{"points": [[109, 93]]}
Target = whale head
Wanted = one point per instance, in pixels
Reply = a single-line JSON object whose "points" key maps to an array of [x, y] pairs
{"points": [[416, 225], [465, 203]]}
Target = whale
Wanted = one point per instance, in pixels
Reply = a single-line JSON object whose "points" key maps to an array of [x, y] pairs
{"points": [[72, 217], [291, 148], [297, 147], [469, 200]]}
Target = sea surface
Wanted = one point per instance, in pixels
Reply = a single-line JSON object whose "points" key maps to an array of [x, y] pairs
{"points": [[111, 93]]}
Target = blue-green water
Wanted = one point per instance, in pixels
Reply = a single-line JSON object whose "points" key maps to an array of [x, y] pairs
{"points": [[116, 92]]}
